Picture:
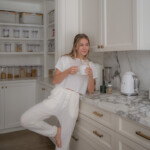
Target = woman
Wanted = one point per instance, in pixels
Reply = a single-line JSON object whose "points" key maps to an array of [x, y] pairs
{"points": [[64, 99]]}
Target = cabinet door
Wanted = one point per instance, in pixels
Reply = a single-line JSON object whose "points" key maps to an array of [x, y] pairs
{"points": [[126, 144], [43, 92], [2, 106], [119, 25], [18, 98], [90, 24], [81, 142]]}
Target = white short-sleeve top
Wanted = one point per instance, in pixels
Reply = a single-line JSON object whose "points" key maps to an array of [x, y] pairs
{"points": [[76, 82]]}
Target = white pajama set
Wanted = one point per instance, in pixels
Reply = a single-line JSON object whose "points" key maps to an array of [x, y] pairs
{"points": [[63, 103]]}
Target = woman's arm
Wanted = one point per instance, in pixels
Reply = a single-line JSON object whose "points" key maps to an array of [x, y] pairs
{"points": [[91, 83], [60, 76]]}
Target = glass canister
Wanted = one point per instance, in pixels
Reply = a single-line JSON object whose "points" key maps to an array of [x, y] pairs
{"points": [[10, 72], [5, 32], [34, 33], [37, 48], [22, 72], [30, 48], [18, 47], [34, 71], [28, 71], [26, 33], [3, 72], [7, 47], [16, 33], [16, 72]]}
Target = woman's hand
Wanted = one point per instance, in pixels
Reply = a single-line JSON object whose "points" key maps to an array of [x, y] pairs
{"points": [[89, 71], [73, 70]]}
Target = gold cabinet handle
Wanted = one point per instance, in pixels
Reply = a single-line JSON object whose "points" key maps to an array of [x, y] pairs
{"points": [[97, 134], [97, 114], [6, 87], [43, 89], [142, 135], [102, 46], [2, 87], [76, 139]]}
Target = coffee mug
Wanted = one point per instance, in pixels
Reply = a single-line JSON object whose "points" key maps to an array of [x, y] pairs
{"points": [[82, 69]]}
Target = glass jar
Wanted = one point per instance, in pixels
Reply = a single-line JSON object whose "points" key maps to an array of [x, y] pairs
{"points": [[38, 48], [28, 71], [109, 88], [26, 33], [7, 47], [34, 71], [16, 33], [10, 72], [3, 72], [16, 72], [18, 47], [5, 32], [22, 72], [34, 33], [30, 48]]}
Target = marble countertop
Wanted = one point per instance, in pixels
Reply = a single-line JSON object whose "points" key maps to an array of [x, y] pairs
{"points": [[136, 108]]}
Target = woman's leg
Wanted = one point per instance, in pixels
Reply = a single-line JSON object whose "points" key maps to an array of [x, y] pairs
{"points": [[33, 119]]}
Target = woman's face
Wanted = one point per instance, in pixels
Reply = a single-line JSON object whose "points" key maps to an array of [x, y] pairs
{"points": [[82, 48]]}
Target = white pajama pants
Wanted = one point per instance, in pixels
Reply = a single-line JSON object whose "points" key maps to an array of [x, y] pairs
{"points": [[62, 103]]}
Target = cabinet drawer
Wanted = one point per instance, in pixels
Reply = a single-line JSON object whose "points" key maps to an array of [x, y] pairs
{"points": [[134, 131], [97, 132], [104, 117]]}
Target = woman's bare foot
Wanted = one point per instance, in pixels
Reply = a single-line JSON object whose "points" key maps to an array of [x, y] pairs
{"points": [[58, 137]]}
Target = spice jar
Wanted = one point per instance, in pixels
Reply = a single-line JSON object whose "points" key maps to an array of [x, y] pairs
{"points": [[34, 33], [30, 48], [34, 71], [109, 88], [5, 32], [22, 72], [7, 47], [3, 72], [16, 33], [18, 47], [28, 71], [16, 72], [10, 72]]}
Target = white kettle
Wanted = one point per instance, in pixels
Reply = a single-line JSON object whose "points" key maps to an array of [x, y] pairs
{"points": [[129, 84]]}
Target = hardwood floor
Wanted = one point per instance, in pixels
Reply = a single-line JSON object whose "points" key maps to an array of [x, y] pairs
{"points": [[25, 140]]}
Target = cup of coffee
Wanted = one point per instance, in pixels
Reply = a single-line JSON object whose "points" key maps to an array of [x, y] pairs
{"points": [[82, 69]]}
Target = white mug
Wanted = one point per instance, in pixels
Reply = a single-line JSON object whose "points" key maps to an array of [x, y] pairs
{"points": [[82, 69]]}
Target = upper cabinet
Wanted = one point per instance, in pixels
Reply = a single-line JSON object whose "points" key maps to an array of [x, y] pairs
{"points": [[116, 25]]}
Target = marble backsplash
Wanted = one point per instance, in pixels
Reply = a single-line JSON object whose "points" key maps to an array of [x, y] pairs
{"points": [[123, 61]]}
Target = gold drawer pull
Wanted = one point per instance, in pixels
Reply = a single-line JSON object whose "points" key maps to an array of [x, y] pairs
{"points": [[97, 114], [142, 135], [76, 139], [96, 133], [43, 89]]}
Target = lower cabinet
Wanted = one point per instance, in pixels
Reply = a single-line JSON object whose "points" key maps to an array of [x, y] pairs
{"points": [[123, 143], [15, 99], [79, 141], [43, 91]]}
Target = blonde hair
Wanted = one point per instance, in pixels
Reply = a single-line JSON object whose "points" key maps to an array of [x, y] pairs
{"points": [[77, 39]]}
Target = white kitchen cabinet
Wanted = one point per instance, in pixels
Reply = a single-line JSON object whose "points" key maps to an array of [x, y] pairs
{"points": [[126, 144], [43, 92], [119, 24], [16, 98], [79, 141]]}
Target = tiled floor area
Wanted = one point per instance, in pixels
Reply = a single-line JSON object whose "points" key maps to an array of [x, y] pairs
{"points": [[25, 140]]}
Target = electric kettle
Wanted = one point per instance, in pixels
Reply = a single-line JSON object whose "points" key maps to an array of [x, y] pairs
{"points": [[130, 84]]}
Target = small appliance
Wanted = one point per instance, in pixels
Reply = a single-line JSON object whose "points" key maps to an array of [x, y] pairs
{"points": [[130, 84]]}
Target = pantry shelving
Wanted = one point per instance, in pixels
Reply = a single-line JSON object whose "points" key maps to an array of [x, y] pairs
{"points": [[32, 37]]}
